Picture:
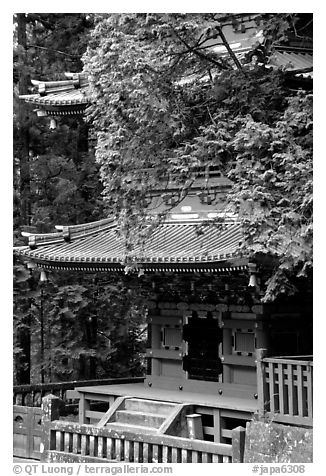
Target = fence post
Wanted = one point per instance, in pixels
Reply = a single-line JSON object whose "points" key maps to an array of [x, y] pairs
{"points": [[261, 379], [195, 426], [51, 408], [238, 444]]}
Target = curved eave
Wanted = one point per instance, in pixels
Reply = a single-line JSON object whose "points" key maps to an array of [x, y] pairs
{"points": [[218, 267], [173, 246], [71, 98], [61, 110], [53, 101]]}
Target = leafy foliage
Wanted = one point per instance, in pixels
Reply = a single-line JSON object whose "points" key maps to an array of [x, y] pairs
{"points": [[274, 195], [152, 122], [93, 326]]}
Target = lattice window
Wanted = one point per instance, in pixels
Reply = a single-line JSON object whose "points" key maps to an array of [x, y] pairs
{"points": [[171, 337], [243, 342]]}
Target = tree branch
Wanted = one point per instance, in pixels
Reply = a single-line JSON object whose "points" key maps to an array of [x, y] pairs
{"points": [[296, 32], [104, 335], [227, 46], [198, 53], [50, 49], [210, 115]]}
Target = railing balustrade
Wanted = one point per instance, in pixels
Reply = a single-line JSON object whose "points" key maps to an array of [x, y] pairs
{"points": [[73, 442], [285, 388], [82, 443]]}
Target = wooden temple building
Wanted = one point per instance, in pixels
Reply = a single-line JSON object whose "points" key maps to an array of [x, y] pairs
{"points": [[216, 355]]}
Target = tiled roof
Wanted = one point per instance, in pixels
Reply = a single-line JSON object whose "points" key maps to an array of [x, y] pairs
{"points": [[66, 98], [174, 245], [292, 61], [51, 94]]}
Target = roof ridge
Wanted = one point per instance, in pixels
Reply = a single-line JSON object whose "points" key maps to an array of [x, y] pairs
{"points": [[92, 224], [86, 229], [65, 233]]}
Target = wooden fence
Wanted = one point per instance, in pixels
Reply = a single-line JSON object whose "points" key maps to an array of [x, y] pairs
{"points": [[72, 442], [27, 431], [285, 388], [27, 427]]}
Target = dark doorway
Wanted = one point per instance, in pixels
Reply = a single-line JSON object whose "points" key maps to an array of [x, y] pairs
{"points": [[203, 336]]}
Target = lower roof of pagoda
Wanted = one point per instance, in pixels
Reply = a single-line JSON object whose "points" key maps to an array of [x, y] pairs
{"points": [[174, 245]]}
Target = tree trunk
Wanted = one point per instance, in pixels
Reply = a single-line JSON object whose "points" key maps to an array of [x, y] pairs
{"points": [[24, 336], [23, 127], [23, 364]]}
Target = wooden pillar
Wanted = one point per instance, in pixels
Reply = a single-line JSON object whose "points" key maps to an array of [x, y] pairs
{"points": [[227, 350], [195, 426], [51, 408], [83, 406], [218, 423], [261, 379], [238, 444]]}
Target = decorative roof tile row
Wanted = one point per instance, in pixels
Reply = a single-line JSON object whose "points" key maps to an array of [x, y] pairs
{"points": [[64, 98]]}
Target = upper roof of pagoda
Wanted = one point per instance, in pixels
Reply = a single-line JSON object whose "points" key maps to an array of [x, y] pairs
{"points": [[72, 95], [69, 96]]}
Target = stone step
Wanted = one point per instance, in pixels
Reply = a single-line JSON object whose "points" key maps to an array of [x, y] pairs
{"points": [[139, 418], [149, 406], [123, 427]]}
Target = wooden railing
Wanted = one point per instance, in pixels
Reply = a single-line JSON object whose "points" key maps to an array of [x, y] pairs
{"points": [[31, 395], [27, 414], [83, 443], [65, 442], [285, 388]]}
